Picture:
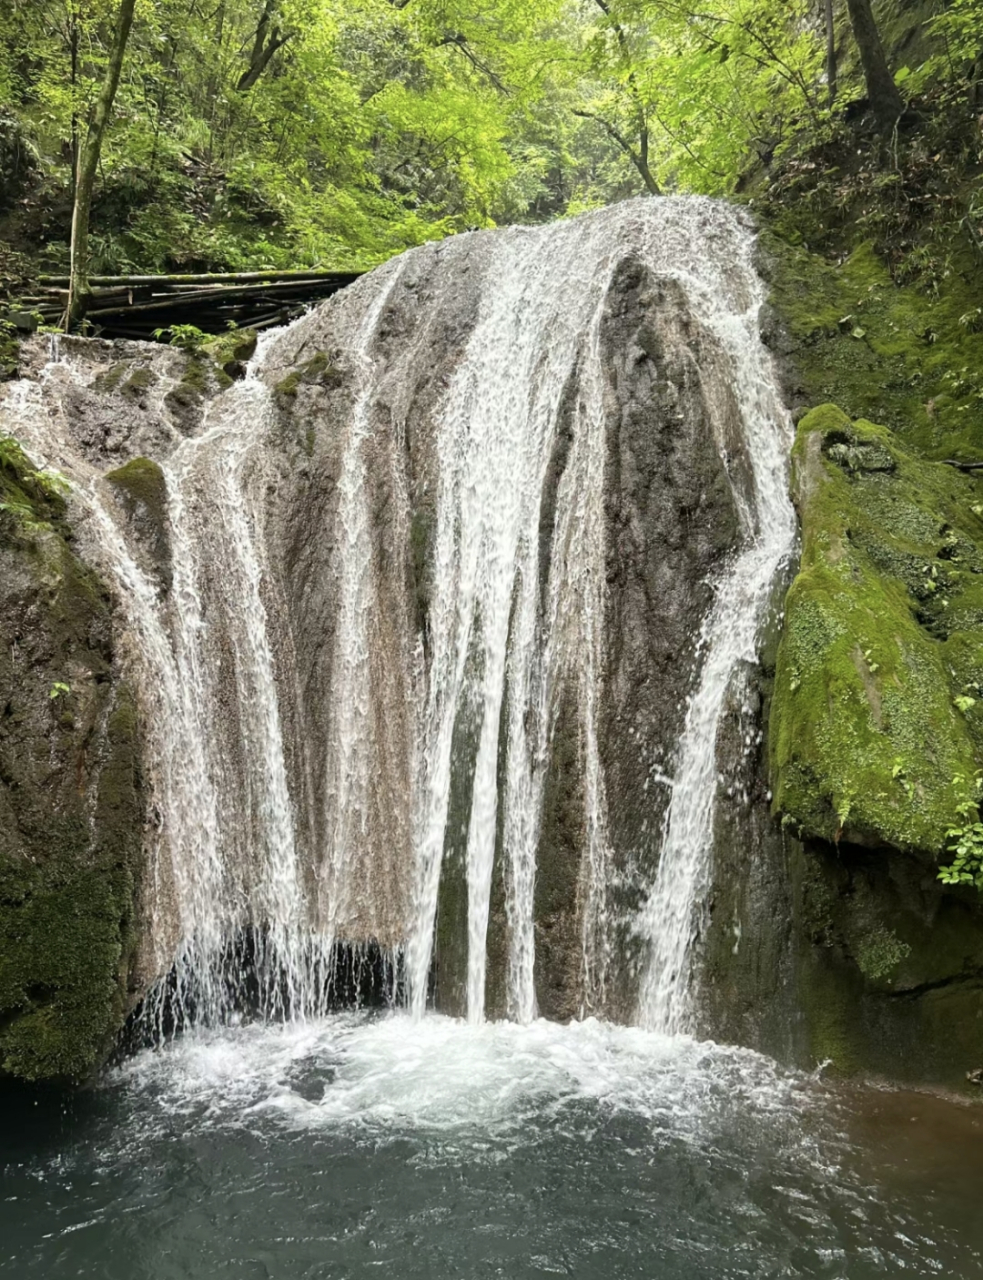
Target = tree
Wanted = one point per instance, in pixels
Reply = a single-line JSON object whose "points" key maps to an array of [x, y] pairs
{"points": [[268, 40], [78, 289], [634, 139], [885, 99], [831, 63]]}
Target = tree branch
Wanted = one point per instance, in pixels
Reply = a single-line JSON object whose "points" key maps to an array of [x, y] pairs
{"points": [[638, 158], [460, 42], [267, 42]]}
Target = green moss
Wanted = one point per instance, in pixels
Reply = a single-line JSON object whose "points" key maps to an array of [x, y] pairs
{"points": [[67, 922], [196, 375], [897, 354], [31, 501], [138, 383], [231, 349], [141, 483], [9, 353], [200, 378], [123, 377], [866, 740], [60, 950], [107, 381], [316, 371], [71, 815]]}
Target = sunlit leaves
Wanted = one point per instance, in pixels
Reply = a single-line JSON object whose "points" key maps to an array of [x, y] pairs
{"points": [[376, 125]]}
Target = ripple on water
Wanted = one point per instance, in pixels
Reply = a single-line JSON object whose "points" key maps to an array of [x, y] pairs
{"points": [[362, 1144]]}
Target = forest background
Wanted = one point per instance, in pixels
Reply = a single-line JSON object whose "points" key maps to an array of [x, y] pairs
{"points": [[250, 134]]}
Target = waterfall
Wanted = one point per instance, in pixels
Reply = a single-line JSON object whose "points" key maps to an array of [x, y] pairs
{"points": [[670, 920], [518, 481], [538, 325]]}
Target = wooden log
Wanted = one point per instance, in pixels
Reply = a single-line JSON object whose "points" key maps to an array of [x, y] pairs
{"points": [[181, 300], [268, 323], [121, 291], [238, 277]]}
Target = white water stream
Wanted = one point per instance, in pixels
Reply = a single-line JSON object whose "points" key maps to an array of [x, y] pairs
{"points": [[238, 847], [671, 918]]}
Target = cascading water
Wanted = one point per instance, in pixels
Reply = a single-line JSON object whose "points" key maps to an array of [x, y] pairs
{"points": [[226, 859], [537, 327], [729, 636], [450, 527], [441, 622]]}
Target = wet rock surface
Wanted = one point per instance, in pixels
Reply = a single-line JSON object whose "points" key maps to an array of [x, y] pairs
{"points": [[71, 794], [670, 522], [317, 498]]}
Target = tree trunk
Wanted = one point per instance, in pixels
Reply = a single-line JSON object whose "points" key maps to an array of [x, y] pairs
{"points": [[885, 100], [641, 162], [266, 42], [639, 157], [831, 64], [78, 289]]}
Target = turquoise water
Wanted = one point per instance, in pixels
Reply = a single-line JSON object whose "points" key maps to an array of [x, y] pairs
{"points": [[370, 1145]]}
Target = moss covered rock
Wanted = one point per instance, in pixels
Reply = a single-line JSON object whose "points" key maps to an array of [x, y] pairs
{"points": [[71, 805], [230, 351], [317, 371], [888, 965], [9, 352], [874, 724], [905, 355], [141, 490]]}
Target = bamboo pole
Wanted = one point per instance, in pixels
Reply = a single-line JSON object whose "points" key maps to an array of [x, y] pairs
{"points": [[170, 302], [216, 278]]}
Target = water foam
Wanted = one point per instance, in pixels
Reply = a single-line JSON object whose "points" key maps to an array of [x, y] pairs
{"points": [[394, 1074]]}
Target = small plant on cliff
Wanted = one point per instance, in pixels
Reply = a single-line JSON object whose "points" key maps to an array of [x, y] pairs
{"points": [[12, 455], [186, 336], [966, 839], [46, 484], [880, 951]]}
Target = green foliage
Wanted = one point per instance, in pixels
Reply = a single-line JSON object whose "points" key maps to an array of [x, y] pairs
{"points": [[879, 952], [957, 46], [186, 336], [722, 84], [965, 838], [375, 125]]}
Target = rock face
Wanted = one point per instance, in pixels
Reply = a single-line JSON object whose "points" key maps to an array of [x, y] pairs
{"points": [[411, 611], [71, 801], [874, 741], [384, 655], [672, 474]]}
